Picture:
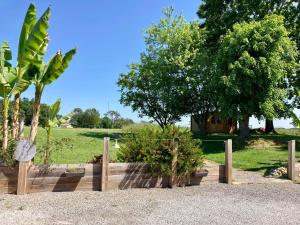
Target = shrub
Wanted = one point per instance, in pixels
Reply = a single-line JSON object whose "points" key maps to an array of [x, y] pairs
{"points": [[154, 146], [7, 158]]}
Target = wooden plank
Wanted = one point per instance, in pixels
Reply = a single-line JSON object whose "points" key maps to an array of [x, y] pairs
{"points": [[105, 164], [7, 172], [23, 177], [8, 182], [59, 170], [8, 189], [91, 186], [63, 180], [291, 160], [228, 161]]}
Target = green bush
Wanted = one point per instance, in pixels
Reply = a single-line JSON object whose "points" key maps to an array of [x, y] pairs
{"points": [[7, 158], [154, 146]]}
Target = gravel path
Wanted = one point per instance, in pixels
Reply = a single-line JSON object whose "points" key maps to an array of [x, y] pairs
{"points": [[205, 204]]}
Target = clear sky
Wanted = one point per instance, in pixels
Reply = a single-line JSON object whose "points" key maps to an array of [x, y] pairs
{"points": [[108, 35]]}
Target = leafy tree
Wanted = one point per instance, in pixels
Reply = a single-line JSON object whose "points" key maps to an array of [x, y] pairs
{"points": [[113, 116], [219, 16], [76, 115], [106, 122], [253, 60], [122, 122], [90, 118], [157, 87]]}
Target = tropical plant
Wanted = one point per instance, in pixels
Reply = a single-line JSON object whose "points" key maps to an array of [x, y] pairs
{"points": [[9, 85], [42, 75], [33, 43], [51, 123], [8, 80]]}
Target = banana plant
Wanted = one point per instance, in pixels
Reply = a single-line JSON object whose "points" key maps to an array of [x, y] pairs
{"points": [[43, 76], [9, 85], [51, 123], [33, 43]]}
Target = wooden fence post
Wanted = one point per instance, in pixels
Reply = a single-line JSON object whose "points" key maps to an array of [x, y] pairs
{"points": [[105, 161], [228, 161], [291, 160], [174, 162], [23, 177]]}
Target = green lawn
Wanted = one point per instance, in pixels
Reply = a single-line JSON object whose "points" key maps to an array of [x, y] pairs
{"points": [[268, 151], [265, 152], [82, 144]]}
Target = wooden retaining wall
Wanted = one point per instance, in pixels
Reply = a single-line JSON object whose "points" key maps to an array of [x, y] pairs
{"points": [[119, 176], [53, 178], [134, 175]]}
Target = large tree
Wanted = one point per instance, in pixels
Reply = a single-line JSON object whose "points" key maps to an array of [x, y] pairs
{"points": [[157, 86], [253, 60], [218, 16]]}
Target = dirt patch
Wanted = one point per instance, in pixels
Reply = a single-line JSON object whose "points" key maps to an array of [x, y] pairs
{"points": [[261, 143]]}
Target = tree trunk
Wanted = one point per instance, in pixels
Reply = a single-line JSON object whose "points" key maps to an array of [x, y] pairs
{"points": [[5, 125], [16, 116], [201, 121], [35, 115], [47, 149], [269, 127], [21, 129], [244, 131]]}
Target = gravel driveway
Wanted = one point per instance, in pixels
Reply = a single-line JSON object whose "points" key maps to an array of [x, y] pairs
{"points": [[205, 204]]}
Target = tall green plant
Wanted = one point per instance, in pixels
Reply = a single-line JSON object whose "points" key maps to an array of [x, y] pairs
{"points": [[33, 43], [43, 75], [9, 84], [51, 123]]}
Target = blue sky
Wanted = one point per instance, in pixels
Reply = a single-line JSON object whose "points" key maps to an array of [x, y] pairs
{"points": [[108, 35]]}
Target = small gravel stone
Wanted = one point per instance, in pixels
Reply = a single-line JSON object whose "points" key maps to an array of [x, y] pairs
{"points": [[204, 204]]}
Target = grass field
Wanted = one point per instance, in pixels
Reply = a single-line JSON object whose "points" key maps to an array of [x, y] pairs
{"points": [[262, 153], [81, 144]]}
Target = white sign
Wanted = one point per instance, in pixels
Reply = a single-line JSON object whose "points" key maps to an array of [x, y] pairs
{"points": [[25, 151]]}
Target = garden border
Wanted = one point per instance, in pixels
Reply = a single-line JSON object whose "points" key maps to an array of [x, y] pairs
{"points": [[102, 176]]}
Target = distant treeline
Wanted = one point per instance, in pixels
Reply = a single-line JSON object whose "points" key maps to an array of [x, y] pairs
{"points": [[89, 118]]}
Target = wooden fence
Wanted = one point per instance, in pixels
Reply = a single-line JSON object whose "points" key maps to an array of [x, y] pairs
{"points": [[102, 176]]}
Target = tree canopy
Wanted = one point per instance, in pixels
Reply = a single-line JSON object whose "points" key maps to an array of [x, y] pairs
{"points": [[158, 86], [253, 61]]}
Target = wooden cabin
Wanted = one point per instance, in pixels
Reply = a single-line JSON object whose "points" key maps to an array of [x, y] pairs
{"points": [[215, 124]]}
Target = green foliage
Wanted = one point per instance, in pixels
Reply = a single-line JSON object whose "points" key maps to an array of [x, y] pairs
{"points": [[8, 76], [33, 43], [7, 157], [158, 86], [253, 61], [55, 146], [154, 146], [219, 15], [90, 118], [113, 119]]}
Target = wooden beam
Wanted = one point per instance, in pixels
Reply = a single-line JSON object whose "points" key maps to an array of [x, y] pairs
{"points": [[23, 177], [105, 162], [228, 161], [291, 160]]}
